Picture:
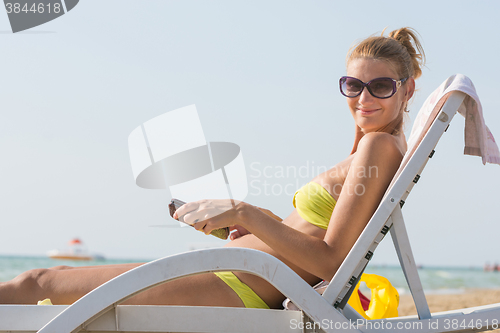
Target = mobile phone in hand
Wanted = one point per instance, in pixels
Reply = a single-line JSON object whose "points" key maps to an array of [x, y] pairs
{"points": [[173, 206], [222, 233]]}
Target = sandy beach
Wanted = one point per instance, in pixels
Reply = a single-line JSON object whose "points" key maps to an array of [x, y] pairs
{"points": [[445, 302]]}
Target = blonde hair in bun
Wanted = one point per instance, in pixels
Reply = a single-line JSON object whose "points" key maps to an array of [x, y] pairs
{"points": [[401, 49]]}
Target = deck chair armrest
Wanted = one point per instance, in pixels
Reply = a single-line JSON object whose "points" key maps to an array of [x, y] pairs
{"points": [[128, 284]]}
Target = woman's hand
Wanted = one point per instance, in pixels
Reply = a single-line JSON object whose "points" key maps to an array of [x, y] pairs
{"points": [[237, 231], [208, 215]]}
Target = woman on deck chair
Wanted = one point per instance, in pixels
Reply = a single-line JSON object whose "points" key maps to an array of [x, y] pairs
{"points": [[330, 211]]}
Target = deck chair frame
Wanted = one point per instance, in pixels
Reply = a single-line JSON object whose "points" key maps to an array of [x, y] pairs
{"points": [[381, 222], [99, 311]]}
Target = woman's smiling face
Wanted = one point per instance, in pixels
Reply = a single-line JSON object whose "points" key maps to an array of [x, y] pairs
{"points": [[371, 113]]}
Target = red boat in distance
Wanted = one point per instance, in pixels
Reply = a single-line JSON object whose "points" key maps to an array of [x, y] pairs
{"points": [[75, 251]]}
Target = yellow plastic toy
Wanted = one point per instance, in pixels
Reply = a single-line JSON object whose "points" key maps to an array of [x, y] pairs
{"points": [[384, 299], [45, 302]]}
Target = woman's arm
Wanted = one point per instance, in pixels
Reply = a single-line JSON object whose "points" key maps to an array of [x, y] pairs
{"points": [[237, 230], [373, 167], [271, 214]]}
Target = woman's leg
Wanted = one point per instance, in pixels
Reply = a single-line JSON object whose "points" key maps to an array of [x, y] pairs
{"points": [[64, 286], [126, 266]]}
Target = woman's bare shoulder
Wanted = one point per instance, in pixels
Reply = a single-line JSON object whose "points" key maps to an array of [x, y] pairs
{"points": [[385, 143]]}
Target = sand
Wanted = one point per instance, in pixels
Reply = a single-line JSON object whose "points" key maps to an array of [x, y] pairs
{"points": [[445, 302]]}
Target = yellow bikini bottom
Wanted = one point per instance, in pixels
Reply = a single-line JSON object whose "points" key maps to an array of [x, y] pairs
{"points": [[249, 298]]}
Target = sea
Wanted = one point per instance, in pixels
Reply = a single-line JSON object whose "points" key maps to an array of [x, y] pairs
{"points": [[435, 280]]}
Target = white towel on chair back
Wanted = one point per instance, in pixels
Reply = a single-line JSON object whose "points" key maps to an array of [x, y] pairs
{"points": [[478, 139]]}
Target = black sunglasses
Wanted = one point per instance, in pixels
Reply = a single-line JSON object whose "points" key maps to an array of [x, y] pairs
{"points": [[382, 87]]}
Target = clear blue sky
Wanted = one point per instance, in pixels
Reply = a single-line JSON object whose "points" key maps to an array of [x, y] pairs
{"points": [[263, 74]]}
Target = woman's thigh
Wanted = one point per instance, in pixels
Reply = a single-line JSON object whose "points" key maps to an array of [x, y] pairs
{"points": [[199, 290], [66, 285]]}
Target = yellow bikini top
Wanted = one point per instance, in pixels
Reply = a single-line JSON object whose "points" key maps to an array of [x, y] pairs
{"points": [[314, 204]]}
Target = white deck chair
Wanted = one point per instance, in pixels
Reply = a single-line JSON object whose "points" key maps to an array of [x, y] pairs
{"points": [[99, 311]]}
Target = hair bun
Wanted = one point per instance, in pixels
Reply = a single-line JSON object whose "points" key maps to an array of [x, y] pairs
{"points": [[408, 38], [402, 49]]}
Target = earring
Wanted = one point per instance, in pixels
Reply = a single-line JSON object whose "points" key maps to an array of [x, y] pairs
{"points": [[405, 108]]}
